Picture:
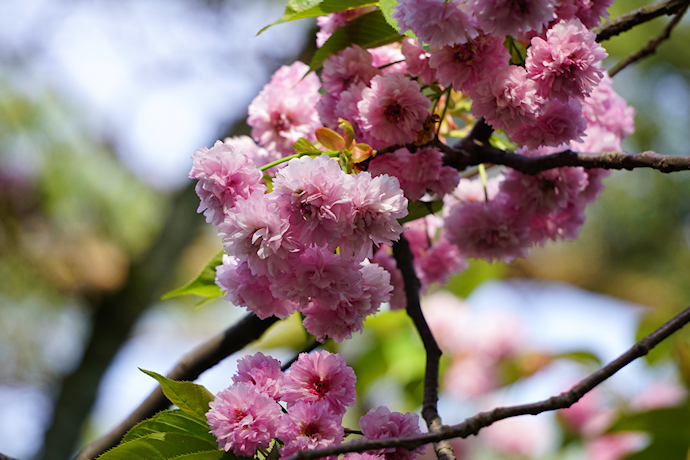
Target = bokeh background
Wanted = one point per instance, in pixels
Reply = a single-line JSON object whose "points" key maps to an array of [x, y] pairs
{"points": [[101, 105]]}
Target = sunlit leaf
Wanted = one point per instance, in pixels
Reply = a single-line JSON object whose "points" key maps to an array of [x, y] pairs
{"points": [[387, 7], [478, 272], [204, 284], [164, 446], [305, 146], [330, 139], [172, 421], [368, 31], [299, 9], [288, 333], [190, 397], [405, 356]]}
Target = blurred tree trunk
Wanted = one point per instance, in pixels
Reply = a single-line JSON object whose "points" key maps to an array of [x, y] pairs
{"points": [[114, 316], [116, 313]]}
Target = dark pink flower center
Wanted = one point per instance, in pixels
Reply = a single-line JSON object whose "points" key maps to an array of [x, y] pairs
{"points": [[281, 122], [310, 429], [239, 415], [464, 54], [547, 186], [521, 6], [319, 387], [393, 112]]}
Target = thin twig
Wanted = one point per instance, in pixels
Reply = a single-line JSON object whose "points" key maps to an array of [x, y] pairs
{"points": [[203, 357], [404, 259], [651, 46], [646, 13], [473, 425]]}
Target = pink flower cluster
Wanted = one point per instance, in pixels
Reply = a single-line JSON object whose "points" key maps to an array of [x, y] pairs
{"points": [[381, 423], [526, 210], [315, 393], [419, 173], [316, 389], [541, 104], [318, 242], [225, 175], [284, 111], [385, 107], [522, 211], [303, 246], [538, 104]]}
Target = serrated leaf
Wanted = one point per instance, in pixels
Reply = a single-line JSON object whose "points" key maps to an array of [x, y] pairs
{"points": [[368, 31], [387, 7], [204, 284], [164, 446], [190, 397], [419, 209], [305, 146], [300, 9], [170, 421]]}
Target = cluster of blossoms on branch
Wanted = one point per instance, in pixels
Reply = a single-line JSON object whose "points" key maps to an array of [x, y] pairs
{"points": [[318, 241], [281, 246], [315, 393], [308, 216]]}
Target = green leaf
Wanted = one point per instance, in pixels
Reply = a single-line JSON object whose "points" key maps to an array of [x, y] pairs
{"points": [[368, 31], [305, 146], [208, 455], [419, 209], [163, 446], [387, 7], [669, 428], [170, 421], [190, 397], [479, 271], [204, 284], [166, 425], [500, 143], [299, 9]]}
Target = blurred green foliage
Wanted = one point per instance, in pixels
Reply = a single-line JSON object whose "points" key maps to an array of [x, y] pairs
{"points": [[71, 219]]}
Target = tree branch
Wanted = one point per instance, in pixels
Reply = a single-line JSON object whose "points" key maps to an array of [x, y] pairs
{"points": [[472, 425], [203, 357], [651, 46], [604, 160], [404, 259], [646, 13], [470, 152]]}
